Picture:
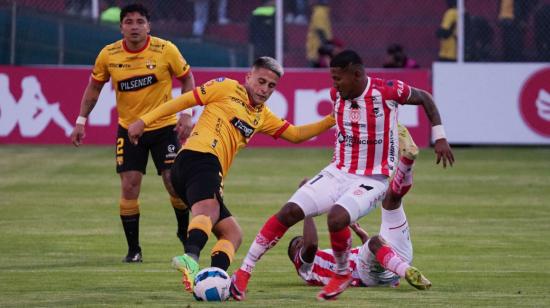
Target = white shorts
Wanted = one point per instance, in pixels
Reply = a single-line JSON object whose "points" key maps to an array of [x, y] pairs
{"points": [[395, 231], [358, 194]]}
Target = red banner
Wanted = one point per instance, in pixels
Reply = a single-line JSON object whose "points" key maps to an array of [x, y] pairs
{"points": [[40, 105]]}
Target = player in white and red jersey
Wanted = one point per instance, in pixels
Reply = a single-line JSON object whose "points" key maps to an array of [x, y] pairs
{"points": [[357, 178]]}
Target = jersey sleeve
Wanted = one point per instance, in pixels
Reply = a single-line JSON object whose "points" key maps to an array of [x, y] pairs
{"points": [[212, 90], [182, 102], [100, 73], [397, 90], [273, 125], [176, 62]]}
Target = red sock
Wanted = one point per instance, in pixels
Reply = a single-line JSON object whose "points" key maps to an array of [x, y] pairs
{"points": [[391, 261], [402, 180], [268, 237], [272, 230], [341, 245]]}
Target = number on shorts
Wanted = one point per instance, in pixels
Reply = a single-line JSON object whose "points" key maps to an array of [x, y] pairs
{"points": [[120, 146], [317, 178]]}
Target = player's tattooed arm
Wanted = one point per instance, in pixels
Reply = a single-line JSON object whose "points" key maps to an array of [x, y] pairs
{"points": [[90, 97], [441, 146], [421, 97]]}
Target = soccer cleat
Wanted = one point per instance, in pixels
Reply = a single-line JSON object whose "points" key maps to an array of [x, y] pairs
{"points": [[415, 278], [239, 281], [336, 285], [406, 143], [189, 268], [133, 257]]}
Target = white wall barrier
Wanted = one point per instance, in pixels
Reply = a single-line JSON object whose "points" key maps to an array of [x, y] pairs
{"points": [[494, 103]]}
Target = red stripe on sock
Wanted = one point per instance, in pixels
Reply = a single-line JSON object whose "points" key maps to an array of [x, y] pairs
{"points": [[272, 230], [384, 254], [341, 240]]}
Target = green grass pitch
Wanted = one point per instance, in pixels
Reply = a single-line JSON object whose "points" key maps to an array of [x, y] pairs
{"points": [[480, 230]]}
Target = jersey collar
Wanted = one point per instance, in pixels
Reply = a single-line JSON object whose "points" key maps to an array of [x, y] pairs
{"points": [[136, 51]]}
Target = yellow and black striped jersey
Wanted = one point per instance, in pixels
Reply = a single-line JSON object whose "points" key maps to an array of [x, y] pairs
{"points": [[142, 79], [227, 122]]}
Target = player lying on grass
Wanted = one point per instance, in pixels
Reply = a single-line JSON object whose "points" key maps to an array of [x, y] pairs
{"points": [[375, 263]]}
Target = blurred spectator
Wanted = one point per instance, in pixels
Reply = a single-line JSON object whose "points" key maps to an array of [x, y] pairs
{"points": [[202, 9], [327, 51], [261, 31], [447, 33], [513, 17], [542, 33], [396, 58], [478, 37], [110, 13], [295, 12], [319, 32]]}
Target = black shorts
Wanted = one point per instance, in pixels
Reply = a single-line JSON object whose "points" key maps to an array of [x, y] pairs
{"points": [[162, 143], [197, 176]]}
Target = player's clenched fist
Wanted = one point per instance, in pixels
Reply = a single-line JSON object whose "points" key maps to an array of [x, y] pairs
{"points": [[135, 130]]}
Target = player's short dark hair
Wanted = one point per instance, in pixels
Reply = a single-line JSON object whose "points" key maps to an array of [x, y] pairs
{"points": [[290, 245], [136, 7], [346, 58], [270, 64]]}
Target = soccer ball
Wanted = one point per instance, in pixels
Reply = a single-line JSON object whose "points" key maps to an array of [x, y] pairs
{"points": [[211, 284]]}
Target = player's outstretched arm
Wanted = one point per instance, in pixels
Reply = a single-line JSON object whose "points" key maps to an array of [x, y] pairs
{"points": [[441, 147], [89, 99], [310, 240], [185, 123], [297, 134], [135, 130]]}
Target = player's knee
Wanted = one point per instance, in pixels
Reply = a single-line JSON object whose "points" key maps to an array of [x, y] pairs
{"points": [[375, 243], [290, 214], [130, 188], [338, 218]]}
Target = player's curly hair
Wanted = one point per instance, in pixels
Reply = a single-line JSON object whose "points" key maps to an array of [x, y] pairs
{"points": [[270, 64], [345, 59], [136, 7]]}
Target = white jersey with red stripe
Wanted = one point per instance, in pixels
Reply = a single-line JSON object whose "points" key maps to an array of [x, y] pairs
{"points": [[323, 267], [367, 137]]}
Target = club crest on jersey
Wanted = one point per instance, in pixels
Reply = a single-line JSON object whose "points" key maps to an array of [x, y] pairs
{"points": [[150, 64], [244, 128], [354, 115]]}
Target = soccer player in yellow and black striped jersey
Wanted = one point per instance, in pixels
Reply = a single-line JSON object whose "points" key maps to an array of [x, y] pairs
{"points": [[141, 68], [233, 113]]}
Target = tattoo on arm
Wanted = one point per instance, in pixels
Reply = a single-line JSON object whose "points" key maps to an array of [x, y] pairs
{"points": [[421, 97], [90, 98]]}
